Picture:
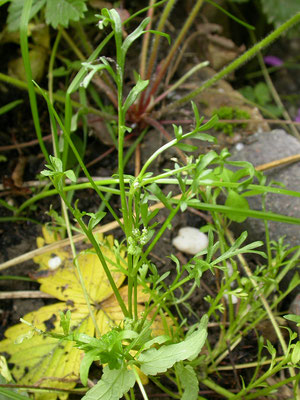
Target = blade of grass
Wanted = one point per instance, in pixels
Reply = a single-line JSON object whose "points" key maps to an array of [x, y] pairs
{"points": [[10, 106], [31, 93]]}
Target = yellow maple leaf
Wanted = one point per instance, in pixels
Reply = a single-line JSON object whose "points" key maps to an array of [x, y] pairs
{"points": [[47, 362]]}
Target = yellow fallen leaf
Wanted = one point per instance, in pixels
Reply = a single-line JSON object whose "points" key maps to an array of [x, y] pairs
{"points": [[50, 236], [48, 362], [45, 361]]}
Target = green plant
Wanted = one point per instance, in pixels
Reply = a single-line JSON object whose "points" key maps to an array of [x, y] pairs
{"points": [[57, 12], [230, 113], [130, 343], [260, 94]]}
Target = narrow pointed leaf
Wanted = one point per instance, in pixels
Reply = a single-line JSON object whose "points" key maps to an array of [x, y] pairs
{"points": [[139, 87], [134, 35]]}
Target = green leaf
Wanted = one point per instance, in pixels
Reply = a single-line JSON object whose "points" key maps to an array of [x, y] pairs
{"points": [[56, 164], [15, 10], [236, 249], [94, 69], [65, 321], [278, 11], [134, 35], [262, 93], [95, 219], [163, 34], [61, 12], [296, 353], [10, 106], [178, 131], [186, 147], [154, 188], [71, 175], [2, 2], [86, 363], [248, 92], [154, 361], [236, 200], [46, 172], [196, 114], [10, 394], [189, 382], [209, 124], [157, 340], [112, 386], [293, 318], [139, 87]]}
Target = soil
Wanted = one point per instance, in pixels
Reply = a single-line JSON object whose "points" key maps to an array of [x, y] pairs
{"points": [[19, 237]]}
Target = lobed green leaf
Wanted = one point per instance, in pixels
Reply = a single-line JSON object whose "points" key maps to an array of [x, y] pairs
{"points": [[154, 361], [15, 11], [61, 12], [112, 385], [189, 382]]}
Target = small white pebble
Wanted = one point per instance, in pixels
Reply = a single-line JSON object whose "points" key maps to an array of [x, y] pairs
{"points": [[54, 262], [190, 240], [239, 146]]}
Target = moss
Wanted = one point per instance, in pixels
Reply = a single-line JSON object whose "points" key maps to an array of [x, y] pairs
{"points": [[230, 113]]}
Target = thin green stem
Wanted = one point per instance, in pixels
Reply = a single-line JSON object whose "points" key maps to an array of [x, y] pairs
{"points": [[244, 366], [243, 393], [72, 45], [164, 388], [96, 246], [232, 66], [218, 389], [201, 206], [84, 39], [77, 266], [187, 295], [5, 204], [141, 386]]}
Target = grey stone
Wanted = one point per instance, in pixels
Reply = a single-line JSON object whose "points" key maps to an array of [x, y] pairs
{"points": [[264, 148]]}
